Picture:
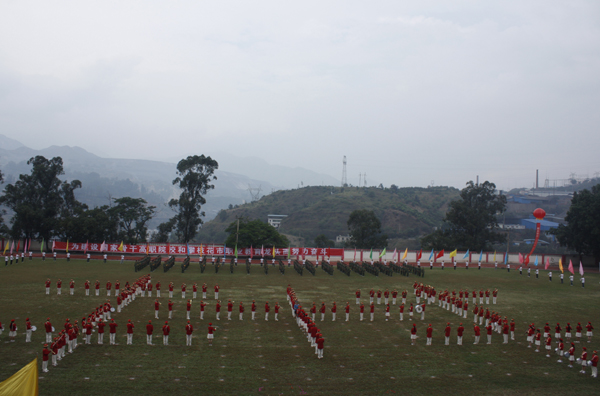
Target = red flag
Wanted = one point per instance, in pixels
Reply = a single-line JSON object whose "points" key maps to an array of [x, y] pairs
{"points": [[419, 254], [53, 244], [262, 251], [440, 254], [18, 246], [520, 258], [571, 267], [547, 263]]}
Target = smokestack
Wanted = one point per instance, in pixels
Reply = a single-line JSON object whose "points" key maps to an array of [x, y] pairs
{"points": [[537, 178], [477, 181]]}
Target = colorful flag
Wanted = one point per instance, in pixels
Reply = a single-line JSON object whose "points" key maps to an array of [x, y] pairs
{"points": [[187, 245], [19, 245], [560, 266], [431, 255], [12, 247], [273, 252], [394, 255], [23, 382], [101, 247], [120, 248], [494, 256], [289, 252], [466, 254], [354, 254], [6, 247], [580, 268], [262, 251], [405, 254], [480, 256], [382, 252], [440, 254], [506, 258], [536, 261], [41, 246], [67, 249], [371, 254], [453, 254], [420, 254], [570, 268], [224, 251], [520, 258], [547, 263]]}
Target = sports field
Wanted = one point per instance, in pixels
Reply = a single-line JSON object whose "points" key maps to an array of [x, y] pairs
{"points": [[274, 358]]}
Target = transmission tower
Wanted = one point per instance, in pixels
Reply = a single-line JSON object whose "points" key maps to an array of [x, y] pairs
{"points": [[359, 179], [344, 177], [254, 192], [365, 179]]}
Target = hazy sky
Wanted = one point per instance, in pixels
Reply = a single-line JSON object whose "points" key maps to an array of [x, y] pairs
{"points": [[411, 92]]}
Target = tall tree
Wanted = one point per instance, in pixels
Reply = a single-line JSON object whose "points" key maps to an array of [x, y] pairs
{"points": [[321, 241], [582, 232], [38, 199], [195, 173], [365, 230], [254, 233], [132, 215], [471, 221]]}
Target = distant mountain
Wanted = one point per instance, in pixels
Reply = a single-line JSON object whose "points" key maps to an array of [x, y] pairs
{"points": [[404, 212], [104, 177]]}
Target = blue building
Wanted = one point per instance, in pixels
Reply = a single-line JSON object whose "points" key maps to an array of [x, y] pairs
{"points": [[545, 225]]}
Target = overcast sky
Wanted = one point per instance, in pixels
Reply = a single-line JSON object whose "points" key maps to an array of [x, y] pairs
{"points": [[411, 92]]}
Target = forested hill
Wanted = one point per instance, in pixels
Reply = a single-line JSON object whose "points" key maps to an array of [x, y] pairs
{"points": [[404, 212]]}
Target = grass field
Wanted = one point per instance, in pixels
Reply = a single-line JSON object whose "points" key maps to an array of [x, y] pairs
{"points": [[274, 358]]}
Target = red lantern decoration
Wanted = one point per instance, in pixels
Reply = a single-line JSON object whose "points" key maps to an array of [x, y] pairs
{"points": [[539, 213]]}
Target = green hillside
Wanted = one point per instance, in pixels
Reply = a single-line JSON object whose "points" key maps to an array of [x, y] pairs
{"points": [[404, 212]]}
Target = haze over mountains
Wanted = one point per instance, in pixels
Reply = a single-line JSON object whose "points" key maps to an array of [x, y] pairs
{"points": [[152, 180]]}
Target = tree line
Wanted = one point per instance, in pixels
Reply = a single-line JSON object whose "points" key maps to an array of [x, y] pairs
{"points": [[44, 207]]}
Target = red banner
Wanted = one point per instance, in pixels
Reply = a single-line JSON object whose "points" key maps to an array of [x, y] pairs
{"points": [[200, 250], [537, 237]]}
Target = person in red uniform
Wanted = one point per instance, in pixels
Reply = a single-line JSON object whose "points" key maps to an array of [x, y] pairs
{"points": [[170, 306], [149, 287], [333, 311], [322, 310], [386, 296], [217, 292], [109, 288], [578, 330], [241, 310], [568, 329], [372, 311], [313, 311], [371, 296], [394, 296], [583, 358], [88, 331], [45, 355], [267, 309], [413, 334], [202, 305], [538, 340], [447, 331], [204, 289], [183, 287], [589, 328], [48, 327], [429, 334], [253, 309], [97, 287], [560, 350], [489, 333], [188, 308], [548, 346], [401, 312], [459, 332], [229, 309], [410, 311], [320, 342], [166, 329], [149, 331], [156, 308], [347, 311], [387, 312], [218, 309], [571, 355], [505, 329], [58, 287], [101, 326], [189, 329], [210, 335], [72, 287], [362, 311], [48, 286], [130, 327], [378, 296], [157, 287], [277, 311], [595, 364], [194, 290], [357, 293], [171, 287], [477, 334]]}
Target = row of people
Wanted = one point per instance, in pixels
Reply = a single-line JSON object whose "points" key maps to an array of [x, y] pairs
{"points": [[306, 323]]}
